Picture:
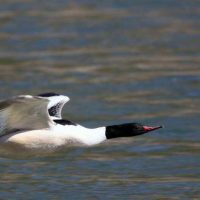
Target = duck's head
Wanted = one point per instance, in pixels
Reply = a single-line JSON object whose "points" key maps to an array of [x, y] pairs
{"points": [[128, 130]]}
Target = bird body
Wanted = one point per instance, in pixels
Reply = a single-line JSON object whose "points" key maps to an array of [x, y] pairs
{"points": [[35, 122], [56, 137]]}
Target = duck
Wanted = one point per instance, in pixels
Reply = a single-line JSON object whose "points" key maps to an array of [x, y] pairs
{"points": [[35, 122]]}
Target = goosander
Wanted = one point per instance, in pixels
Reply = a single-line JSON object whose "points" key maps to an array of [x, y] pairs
{"points": [[35, 122]]}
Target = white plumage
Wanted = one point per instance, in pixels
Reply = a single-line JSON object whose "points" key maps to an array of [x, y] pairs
{"points": [[25, 120]]}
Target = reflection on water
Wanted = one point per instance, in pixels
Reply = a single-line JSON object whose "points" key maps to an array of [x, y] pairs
{"points": [[118, 61]]}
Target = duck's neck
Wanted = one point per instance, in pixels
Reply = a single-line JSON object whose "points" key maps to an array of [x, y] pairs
{"points": [[80, 134]]}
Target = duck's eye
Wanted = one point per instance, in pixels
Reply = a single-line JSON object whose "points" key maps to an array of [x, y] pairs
{"points": [[137, 126]]}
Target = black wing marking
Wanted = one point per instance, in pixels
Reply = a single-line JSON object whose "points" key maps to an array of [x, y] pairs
{"points": [[55, 111], [49, 94], [56, 103], [64, 122]]}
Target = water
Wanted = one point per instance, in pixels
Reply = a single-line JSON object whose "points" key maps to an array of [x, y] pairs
{"points": [[118, 61]]}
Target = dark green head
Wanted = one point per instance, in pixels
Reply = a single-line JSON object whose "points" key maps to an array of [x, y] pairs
{"points": [[128, 130]]}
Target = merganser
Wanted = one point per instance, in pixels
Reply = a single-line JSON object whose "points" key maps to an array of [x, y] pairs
{"points": [[35, 122]]}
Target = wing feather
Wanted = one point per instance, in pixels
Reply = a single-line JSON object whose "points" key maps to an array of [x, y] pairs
{"points": [[55, 105], [24, 113]]}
